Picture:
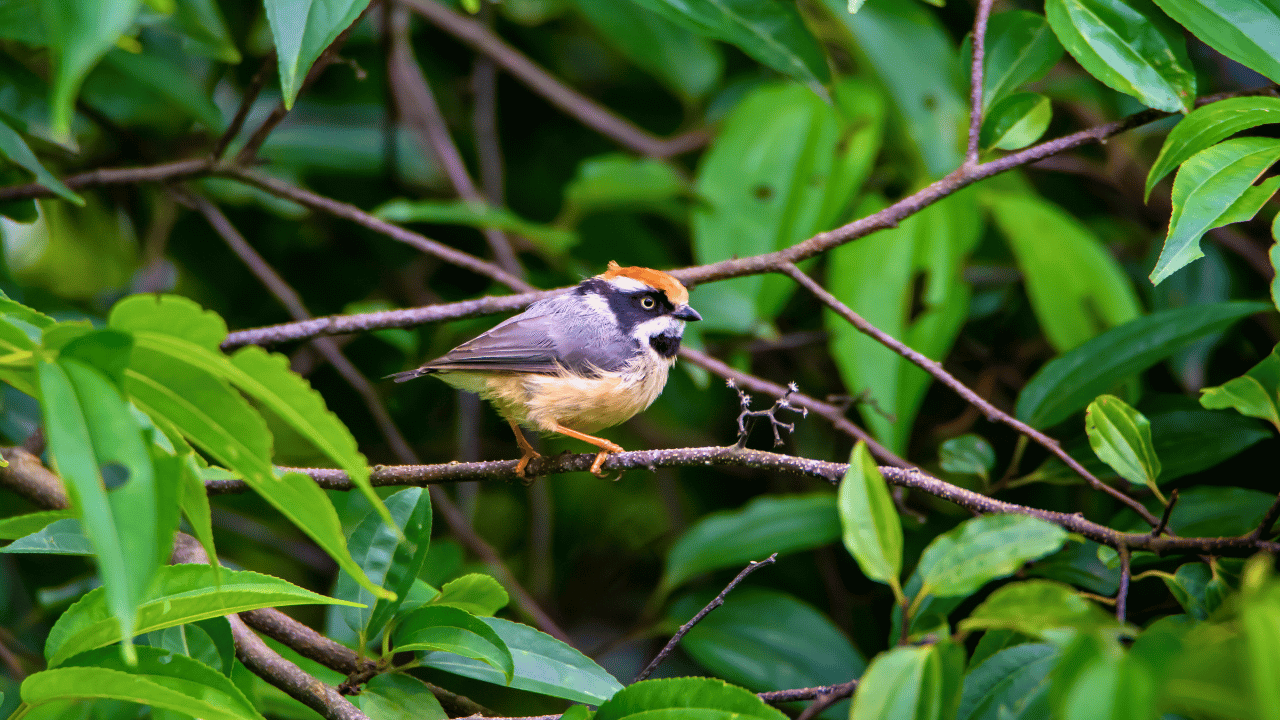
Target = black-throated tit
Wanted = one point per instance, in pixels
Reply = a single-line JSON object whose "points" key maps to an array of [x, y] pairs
{"points": [[578, 362]]}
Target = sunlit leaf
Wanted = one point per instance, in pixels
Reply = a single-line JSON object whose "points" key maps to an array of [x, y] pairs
{"points": [[302, 29], [872, 528]]}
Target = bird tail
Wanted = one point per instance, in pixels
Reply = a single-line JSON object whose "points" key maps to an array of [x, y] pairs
{"points": [[408, 375]]}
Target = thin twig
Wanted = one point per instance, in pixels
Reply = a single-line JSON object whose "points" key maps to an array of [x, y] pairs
{"points": [[976, 80], [1168, 512], [416, 104], [715, 603], [1268, 520], [826, 700], [484, 120], [935, 369], [1122, 594], [747, 418], [246, 104], [350, 212], [778, 697], [570, 101]]}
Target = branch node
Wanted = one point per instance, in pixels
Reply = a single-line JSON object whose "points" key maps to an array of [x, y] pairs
{"points": [[747, 418]]}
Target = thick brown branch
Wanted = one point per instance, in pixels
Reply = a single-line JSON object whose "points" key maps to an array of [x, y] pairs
{"points": [[934, 368], [570, 101]]}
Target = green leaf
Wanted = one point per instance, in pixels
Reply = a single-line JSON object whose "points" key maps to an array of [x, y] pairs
{"points": [[80, 33], [160, 679], [1015, 122], [182, 594], [169, 81], [766, 525], [302, 29], [1012, 683], [977, 551], [1197, 589], [771, 31], [205, 30], [15, 149], [1260, 621], [1205, 127], [616, 181], [872, 277], [554, 240], [477, 593], [12, 528], [450, 630], [685, 62], [784, 166], [1068, 383], [1205, 193], [1095, 678], [1247, 31], [689, 697], [195, 505], [872, 528], [64, 537], [543, 665], [393, 696], [169, 315], [967, 455], [1255, 394], [740, 641], [1020, 48], [921, 683], [915, 59], [1130, 46], [1039, 608], [385, 561], [1071, 306], [1121, 437]]}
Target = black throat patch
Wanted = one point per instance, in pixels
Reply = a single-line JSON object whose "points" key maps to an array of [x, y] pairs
{"points": [[665, 345]]}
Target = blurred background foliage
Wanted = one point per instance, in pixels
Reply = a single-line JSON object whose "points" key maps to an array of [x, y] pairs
{"points": [[844, 115]]}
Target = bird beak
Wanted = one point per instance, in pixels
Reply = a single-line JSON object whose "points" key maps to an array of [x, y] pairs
{"points": [[684, 312]]}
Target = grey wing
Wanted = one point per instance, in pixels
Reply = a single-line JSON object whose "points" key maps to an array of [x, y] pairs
{"points": [[524, 343]]}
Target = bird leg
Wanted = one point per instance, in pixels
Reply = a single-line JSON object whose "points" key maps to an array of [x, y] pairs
{"points": [[527, 452], [606, 447]]}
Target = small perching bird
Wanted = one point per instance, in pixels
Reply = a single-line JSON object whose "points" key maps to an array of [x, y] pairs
{"points": [[575, 363]]}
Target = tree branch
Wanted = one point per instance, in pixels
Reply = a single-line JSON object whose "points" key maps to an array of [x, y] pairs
{"points": [[976, 80]]}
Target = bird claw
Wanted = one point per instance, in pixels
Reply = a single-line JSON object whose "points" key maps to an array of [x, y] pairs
{"points": [[605, 452], [523, 465]]}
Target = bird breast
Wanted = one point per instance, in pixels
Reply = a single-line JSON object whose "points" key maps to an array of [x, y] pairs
{"points": [[583, 403]]}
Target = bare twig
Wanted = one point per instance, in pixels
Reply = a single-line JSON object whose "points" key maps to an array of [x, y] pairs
{"points": [[571, 102], [246, 103], [935, 369], [1268, 520], [976, 80], [484, 120], [747, 418], [416, 104], [1122, 594], [350, 212], [827, 699], [777, 697], [715, 603], [1168, 512]]}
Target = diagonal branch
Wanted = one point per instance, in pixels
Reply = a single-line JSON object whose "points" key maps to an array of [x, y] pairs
{"points": [[570, 101], [976, 80], [935, 369]]}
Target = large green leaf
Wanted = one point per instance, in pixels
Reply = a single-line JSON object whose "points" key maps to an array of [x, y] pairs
{"points": [[766, 525], [1215, 188], [169, 81], [872, 529], [1039, 608], [160, 679], [15, 149], [16, 526], [204, 29], [694, 698], [1208, 125], [920, 683], [543, 665], [615, 181], [1095, 678], [1255, 394], [181, 594], [877, 277], [1070, 382], [771, 31], [785, 165], [1015, 122], [393, 696], [448, 629], [477, 593], [1009, 685], [1020, 48], [975, 552], [1247, 31], [1072, 306], [1121, 437], [302, 29], [392, 564], [80, 32], [63, 537], [914, 58], [1129, 45], [682, 60], [741, 643]]}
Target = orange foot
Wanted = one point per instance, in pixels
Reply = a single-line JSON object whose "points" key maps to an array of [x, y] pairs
{"points": [[527, 452]]}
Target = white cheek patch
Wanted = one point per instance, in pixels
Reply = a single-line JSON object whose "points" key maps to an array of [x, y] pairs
{"points": [[600, 306], [665, 325]]}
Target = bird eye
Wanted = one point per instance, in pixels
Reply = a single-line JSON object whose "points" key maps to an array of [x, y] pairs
{"points": [[647, 303]]}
